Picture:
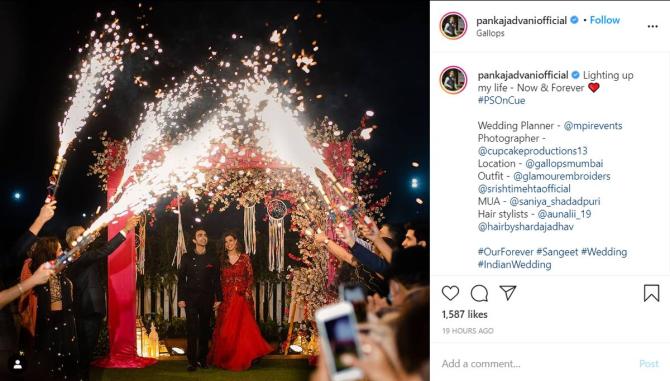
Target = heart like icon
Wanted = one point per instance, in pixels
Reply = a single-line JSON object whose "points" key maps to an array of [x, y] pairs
{"points": [[450, 292], [594, 86]]}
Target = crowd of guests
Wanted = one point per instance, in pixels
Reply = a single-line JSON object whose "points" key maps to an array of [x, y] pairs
{"points": [[60, 311], [395, 338]]}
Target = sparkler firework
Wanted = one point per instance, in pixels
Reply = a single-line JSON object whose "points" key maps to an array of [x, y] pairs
{"points": [[254, 114], [180, 168], [54, 179], [95, 80], [284, 137], [177, 172], [73, 254], [94, 83], [158, 116], [185, 163], [347, 205]]}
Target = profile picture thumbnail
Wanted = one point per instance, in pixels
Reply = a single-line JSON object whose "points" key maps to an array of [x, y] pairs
{"points": [[453, 79], [453, 25]]}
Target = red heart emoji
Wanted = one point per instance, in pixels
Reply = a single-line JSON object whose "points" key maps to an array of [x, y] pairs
{"points": [[594, 86]]}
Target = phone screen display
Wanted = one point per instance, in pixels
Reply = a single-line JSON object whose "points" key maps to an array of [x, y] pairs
{"points": [[353, 294], [341, 338]]}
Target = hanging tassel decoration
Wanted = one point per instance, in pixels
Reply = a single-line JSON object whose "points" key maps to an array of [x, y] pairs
{"points": [[141, 244], [181, 242], [250, 229], [276, 249], [277, 210]]}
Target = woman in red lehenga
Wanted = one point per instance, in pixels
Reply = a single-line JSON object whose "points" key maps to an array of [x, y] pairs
{"points": [[236, 341]]}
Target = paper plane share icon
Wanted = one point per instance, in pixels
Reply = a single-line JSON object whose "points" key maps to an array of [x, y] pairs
{"points": [[508, 290]]}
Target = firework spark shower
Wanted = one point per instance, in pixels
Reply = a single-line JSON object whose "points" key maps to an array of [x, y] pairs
{"points": [[94, 82], [94, 79], [251, 112], [149, 134]]}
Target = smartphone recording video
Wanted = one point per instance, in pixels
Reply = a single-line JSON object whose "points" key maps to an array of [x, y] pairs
{"points": [[337, 327], [355, 294]]}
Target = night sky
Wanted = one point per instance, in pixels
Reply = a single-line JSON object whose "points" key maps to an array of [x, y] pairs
{"points": [[372, 56]]}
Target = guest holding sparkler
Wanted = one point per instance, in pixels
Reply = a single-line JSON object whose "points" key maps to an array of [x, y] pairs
{"points": [[416, 234], [10, 266], [40, 276], [89, 294], [47, 312], [366, 254], [353, 270], [7, 329]]}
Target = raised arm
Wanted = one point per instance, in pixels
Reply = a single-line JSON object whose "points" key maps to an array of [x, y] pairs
{"points": [[369, 259], [361, 253], [372, 233], [90, 257], [338, 251], [40, 276], [18, 251], [46, 213]]}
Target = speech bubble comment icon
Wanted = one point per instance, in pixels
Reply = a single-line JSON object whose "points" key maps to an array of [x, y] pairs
{"points": [[479, 293]]}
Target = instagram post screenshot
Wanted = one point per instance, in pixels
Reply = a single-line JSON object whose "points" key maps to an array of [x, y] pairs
{"points": [[335, 190]]}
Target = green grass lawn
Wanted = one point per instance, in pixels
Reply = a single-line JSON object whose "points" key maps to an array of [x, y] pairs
{"points": [[267, 370]]}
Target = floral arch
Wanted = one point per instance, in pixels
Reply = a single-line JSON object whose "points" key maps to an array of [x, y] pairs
{"points": [[244, 177]]}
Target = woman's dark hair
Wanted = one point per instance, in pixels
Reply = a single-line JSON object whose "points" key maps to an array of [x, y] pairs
{"points": [[394, 232], [223, 253], [43, 250], [412, 332], [410, 267], [392, 244]]}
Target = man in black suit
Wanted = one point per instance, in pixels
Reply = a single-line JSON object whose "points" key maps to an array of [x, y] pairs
{"points": [[199, 291], [90, 306]]}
